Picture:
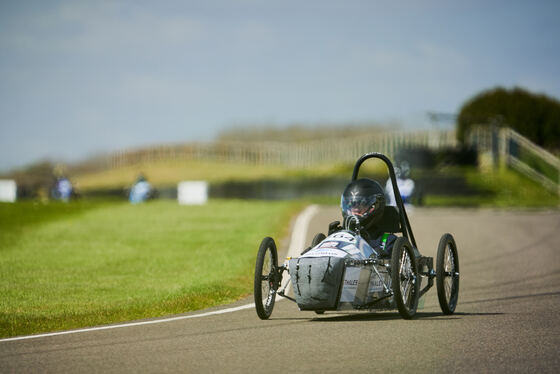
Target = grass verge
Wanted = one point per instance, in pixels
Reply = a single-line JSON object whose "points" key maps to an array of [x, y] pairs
{"points": [[501, 189], [81, 264], [169, 173]]}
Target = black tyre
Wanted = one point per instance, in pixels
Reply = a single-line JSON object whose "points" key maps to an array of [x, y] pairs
{"points": [[266, 284], [447, 274], [404, 278], [317, 239]]}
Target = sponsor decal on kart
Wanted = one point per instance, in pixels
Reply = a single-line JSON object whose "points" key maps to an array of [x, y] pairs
{"points": [[326, 252], [375, 284], [329, 245], [355, 246], [352, 250], [350, 285]]}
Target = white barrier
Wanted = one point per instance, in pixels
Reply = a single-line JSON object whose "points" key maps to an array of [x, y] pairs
{"points": [[192, 192], [8, 190]]}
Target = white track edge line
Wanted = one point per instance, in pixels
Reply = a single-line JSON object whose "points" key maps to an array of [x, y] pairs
{"points": [[151, 322], [299, 234], [297, 242]]}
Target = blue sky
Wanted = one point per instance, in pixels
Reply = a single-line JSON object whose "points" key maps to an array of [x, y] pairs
{"points": [[80, 77]]}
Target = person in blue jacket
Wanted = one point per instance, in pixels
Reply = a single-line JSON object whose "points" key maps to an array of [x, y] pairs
{"points": [[140, 191], [62, 189]]}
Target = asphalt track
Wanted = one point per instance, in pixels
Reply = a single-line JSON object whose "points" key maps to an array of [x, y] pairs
{"points": [[507, 319]]}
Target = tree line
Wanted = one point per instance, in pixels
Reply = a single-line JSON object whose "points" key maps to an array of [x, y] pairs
{"points": [[535, 116]]}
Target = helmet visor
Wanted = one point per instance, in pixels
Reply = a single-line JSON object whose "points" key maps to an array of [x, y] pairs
{"points": [[359, 206]]}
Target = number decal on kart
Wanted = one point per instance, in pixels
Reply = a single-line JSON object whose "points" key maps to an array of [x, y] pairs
{"points": [[329, 245], [343, 236]]}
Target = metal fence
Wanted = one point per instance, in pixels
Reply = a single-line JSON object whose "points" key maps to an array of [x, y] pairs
{"points": [[504, 145], [301, 154], [516, 151]]}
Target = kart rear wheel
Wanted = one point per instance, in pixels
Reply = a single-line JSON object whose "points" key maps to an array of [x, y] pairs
{"points": [[266, 283], [318, 238], [447, 274], [404, 278]]}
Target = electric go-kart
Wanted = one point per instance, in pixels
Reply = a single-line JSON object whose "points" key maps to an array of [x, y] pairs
{"points": [[342, 271]]}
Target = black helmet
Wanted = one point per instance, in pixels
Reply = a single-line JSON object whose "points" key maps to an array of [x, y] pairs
{"points": [[365, 199]]}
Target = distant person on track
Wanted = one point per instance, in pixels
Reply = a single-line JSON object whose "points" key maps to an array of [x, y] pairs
{"points": [[404, 182], [364, 200], [141, 191]]}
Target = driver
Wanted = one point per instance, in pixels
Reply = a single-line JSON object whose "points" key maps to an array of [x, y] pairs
{"points": [[364, 200]]}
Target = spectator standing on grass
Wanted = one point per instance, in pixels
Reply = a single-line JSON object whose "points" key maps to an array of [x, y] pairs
{"points": [[62, 189], [141, 190]]}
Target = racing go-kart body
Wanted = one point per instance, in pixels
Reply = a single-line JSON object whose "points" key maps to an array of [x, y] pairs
{"points": [[342, 271]]}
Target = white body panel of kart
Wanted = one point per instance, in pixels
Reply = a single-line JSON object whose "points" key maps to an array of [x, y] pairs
{"points": [[361, 283]]}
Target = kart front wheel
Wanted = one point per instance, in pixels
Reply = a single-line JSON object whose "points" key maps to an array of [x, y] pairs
{"points": [[404, 278], [266, 284], [318, 238], [447, 274]]}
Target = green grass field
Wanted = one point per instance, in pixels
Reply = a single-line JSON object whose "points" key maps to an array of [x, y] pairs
{"points": [[503, 189], [169, 173], [95, 262], [89, 263]]}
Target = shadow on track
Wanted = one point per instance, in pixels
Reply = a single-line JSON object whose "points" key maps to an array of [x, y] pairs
{"points": [[395, 316], [517, 297]]}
